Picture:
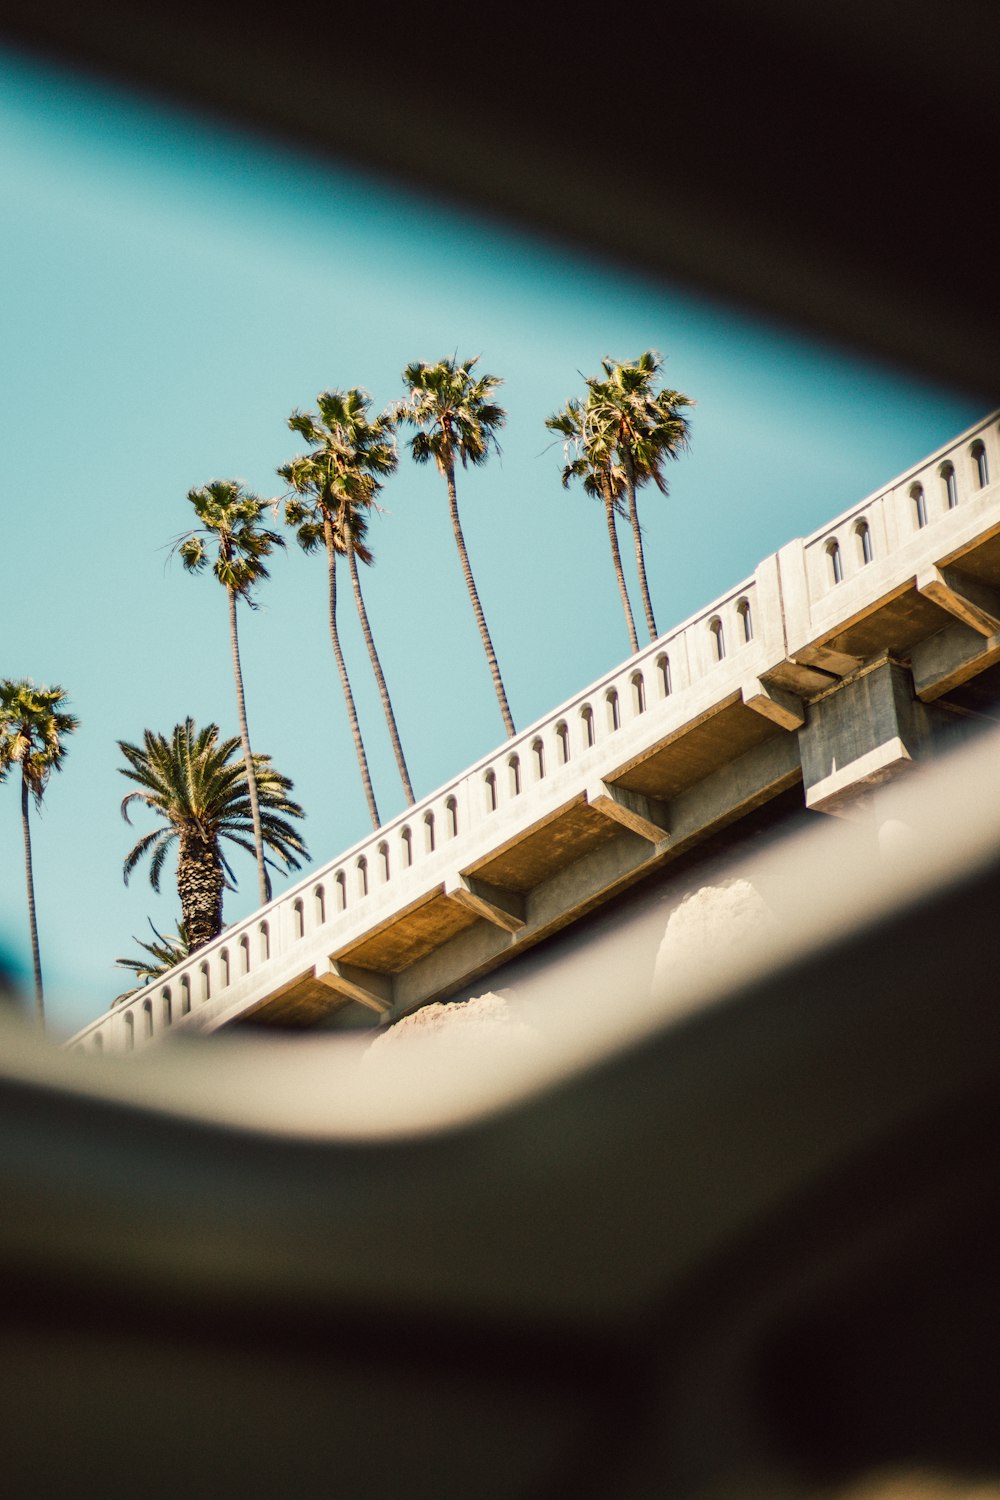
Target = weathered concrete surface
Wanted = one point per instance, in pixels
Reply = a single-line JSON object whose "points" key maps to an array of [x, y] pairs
{"points": [[951, 657], [862, 733]]}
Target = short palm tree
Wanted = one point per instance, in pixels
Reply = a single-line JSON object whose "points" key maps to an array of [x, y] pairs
{"points": [[34, 722], [229, 517], [166, 950], [456, 418], [198, 785], [335, 486], [596, 465], [645, 427]]}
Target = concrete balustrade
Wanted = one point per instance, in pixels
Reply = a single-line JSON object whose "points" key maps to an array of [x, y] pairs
{"points": [[896, 573]]}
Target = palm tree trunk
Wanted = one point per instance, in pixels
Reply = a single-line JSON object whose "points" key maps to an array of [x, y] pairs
{"points": [[477, 608], [609, 511], [640, 560], [199, 889], [390, 717], [32, 922], [241, 710], [352, 713]]}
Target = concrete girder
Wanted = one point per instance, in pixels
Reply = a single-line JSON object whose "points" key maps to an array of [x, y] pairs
{"points": [[970, 601], [954, 655], [369, 987], [642, 815], [584, 884], [826, 659], [782, 708], [501, 907]]}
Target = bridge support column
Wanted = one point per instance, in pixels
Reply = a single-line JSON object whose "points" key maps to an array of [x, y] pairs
{"points": [[861, 734]]}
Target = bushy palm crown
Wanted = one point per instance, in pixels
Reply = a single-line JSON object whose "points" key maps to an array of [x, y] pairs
{"points": [[198, 784], [33, 725], [453, 411], [341, 477], [590, 456], [645, 427], [231, 515]]}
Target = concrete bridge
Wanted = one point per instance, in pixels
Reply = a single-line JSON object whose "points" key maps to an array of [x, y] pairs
{"points": [[846, 658]]}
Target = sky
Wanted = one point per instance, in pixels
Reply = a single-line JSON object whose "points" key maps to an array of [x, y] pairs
{"points": [[171, 291]]}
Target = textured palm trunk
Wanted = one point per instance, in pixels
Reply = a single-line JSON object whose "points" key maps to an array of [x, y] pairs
{"points": [[199, 887], [241, 710], [609, 511], [352, 713], [640, 559], [477, 608], [32, 922], [390, 717]]}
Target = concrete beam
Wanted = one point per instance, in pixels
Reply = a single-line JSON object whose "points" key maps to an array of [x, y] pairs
{"points": [[728, 794], [558, 901], [642, 815], [367, 986], [970, 601], [773, 703], [834, 663], [945, 660], [501, 907], [582, 886]]}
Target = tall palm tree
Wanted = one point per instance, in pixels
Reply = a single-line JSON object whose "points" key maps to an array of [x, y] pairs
{"points": [[645, 427], [456, 417], [33, 725], [316, 524], [594, 462], [336, 485], [198, 785], [230, 517]]}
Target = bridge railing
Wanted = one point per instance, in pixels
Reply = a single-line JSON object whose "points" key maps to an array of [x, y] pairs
{"points": [[878, 546], [655, 691], [891, 521], [698, 664]]}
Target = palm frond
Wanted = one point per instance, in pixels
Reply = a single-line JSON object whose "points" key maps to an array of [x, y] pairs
{"points": [[163, 953], [157, 841]]}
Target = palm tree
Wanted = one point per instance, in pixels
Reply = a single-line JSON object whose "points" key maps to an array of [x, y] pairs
{"points": [[645, 427], [595, 464], [166, 950], [231, 516], [337, 484], [33, 724], [198, 785], [456, 417]]}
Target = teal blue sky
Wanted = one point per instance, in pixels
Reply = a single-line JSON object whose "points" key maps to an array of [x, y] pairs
{"points": [[171, 291]]}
